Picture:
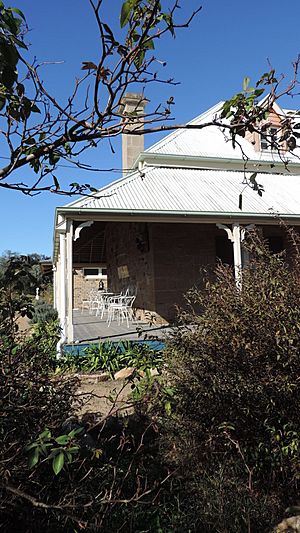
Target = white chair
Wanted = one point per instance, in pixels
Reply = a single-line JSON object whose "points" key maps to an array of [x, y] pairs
{"points": [[120, 308], [96, 303], [103, 302], [87, 301]]}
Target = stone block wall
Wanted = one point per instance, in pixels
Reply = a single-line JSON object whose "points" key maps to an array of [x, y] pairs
{"points": [[159, 262], [129, 262], [179, 251]]}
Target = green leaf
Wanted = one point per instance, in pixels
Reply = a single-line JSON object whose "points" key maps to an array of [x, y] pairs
{"points": [[19, 12], [29, 140], [2, 103], [69, 456], [169, 391], [169, 21], [246, 82], [20, 89], [149, 45], [45, 435], [259, 92], [75, 431], [9, 76], [125, 13], [31, 446], [18, 42], [139, 59], [67, 148], [34, 458], [168, 408], [73, 449], [62, 439], [35, 109], [54, 157], [58, 463]]}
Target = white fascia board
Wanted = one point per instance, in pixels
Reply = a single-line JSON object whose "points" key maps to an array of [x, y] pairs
{"points": [[217, 163]]}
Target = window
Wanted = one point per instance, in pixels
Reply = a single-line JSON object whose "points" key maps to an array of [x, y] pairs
{"points": [[95, 273], [269, 139]]}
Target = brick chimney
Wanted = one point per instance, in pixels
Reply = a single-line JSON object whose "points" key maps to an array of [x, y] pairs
{"points": [[132, 145]]}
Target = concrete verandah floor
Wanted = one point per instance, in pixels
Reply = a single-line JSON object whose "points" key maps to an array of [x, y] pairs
{"points": [[89, 328]]}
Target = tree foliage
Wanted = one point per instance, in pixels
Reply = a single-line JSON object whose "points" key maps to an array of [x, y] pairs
{"points": [[38, 130]]}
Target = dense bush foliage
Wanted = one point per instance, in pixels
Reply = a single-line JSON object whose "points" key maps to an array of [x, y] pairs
{"points": [[43, 312], [29, 274], [234, 431], [30, 401], [60, 472], [55, 478], [212, 446]]}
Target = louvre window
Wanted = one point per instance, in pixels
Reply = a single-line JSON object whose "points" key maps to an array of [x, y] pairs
{"points": [[269, 139]]}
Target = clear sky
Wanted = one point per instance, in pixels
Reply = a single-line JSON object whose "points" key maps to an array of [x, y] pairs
{"points": [[228, 41]]}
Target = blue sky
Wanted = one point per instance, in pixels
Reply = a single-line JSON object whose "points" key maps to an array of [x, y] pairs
{"points": [[228, 41]]}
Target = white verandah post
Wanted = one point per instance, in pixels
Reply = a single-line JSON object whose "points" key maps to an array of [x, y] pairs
{"points": [[69, 281], [237, 253], [54, 287], [62, 288], [234, 235]]}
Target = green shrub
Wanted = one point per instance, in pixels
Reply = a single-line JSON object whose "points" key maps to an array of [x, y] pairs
{"points": [[43, 312], [60, 473], [111, 357], [234, 428]]}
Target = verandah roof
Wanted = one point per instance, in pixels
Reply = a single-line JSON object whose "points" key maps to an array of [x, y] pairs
{"points": [[185, 190]]}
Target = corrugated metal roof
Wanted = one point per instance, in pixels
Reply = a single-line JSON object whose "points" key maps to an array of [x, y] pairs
{"points": [[211, 141], [163, 189]]}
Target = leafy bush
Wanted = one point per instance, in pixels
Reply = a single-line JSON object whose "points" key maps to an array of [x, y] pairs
{"points": [[111, 357], [234, 429], [43, 312], [31, 399], [77, 474], [59, 473]]}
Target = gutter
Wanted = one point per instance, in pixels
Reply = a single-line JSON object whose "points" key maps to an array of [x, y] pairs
{"points": [[217, 163], [112, 212]]}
